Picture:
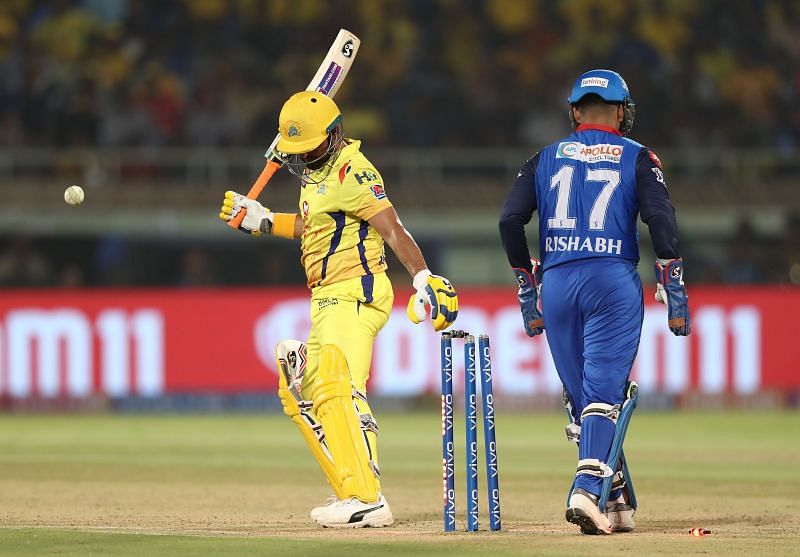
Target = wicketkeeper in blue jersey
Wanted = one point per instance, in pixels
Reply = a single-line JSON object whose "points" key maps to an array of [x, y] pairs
{"points": [[589, 189]]}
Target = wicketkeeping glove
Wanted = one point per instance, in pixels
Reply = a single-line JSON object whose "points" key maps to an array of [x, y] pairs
{"points": [[671, 291], [256, 221], [434, 294], [530, 287]]}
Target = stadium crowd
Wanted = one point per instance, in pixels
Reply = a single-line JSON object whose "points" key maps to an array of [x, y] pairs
{"points": [[437, 73], [203, 72]]}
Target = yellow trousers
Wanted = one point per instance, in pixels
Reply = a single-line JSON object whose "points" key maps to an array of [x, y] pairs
{"points": [[348, 314]]}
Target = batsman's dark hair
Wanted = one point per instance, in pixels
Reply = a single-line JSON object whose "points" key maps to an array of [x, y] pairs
{"points": [[628, 110]]}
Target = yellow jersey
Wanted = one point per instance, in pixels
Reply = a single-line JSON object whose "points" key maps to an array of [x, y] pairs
{"points": [[337, 241]]}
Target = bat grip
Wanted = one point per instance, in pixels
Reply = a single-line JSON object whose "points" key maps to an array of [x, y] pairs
{"points": [[258, 186]]}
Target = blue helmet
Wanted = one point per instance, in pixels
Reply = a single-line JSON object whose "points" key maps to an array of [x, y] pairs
{"points": [[610, 87]]}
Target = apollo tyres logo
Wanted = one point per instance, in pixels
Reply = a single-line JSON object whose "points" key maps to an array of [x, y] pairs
{"points": [[603, 152]]}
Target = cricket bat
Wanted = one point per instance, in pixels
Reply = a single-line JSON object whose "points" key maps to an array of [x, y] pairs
{"points": [[328, 79]]}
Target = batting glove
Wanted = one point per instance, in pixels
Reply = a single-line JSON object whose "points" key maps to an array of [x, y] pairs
{"points": [[530, 288], [436, 295], [257, 218], [671, 291]]}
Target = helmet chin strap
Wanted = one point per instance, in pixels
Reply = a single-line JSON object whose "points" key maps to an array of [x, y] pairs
{"points": [[628, 114]]}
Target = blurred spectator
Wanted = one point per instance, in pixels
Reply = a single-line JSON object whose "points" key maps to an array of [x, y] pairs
{"points": [[71, 276], [128, 120], [112, 262], [744, 256], [210, 122], [789, 252], [196, 269], [23, 265]]}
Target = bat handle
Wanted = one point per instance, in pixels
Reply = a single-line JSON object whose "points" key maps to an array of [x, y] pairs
{"points": [[258, 186]]}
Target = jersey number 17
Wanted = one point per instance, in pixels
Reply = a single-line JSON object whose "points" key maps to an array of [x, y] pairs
{"points": [[563, 181]]}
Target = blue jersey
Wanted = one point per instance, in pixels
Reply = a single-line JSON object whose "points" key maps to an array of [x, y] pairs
{"points": [[589, 189], [586, 192]]}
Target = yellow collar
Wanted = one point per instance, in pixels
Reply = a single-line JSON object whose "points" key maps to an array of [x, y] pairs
{"points": [[351, 147]]}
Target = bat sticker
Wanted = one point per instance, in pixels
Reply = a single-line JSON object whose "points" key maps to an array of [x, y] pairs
{"points": [[330, 78]]}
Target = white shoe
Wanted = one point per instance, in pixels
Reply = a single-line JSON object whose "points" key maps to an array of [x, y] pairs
{"points": [[584, 512], [620, 514], [316, 512], [352, 513]]}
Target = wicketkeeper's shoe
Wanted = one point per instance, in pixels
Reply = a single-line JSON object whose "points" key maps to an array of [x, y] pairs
{"points": [[316, 512], [620, 514], [583, 511], [352, 513]]}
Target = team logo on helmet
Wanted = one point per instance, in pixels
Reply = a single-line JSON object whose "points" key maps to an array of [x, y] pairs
{"points": [[292, 130]]}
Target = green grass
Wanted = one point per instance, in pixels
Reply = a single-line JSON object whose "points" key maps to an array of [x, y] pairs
{"points": [[243, 485]]}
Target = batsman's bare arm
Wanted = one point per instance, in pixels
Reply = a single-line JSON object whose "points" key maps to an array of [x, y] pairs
{"points": [[388, 225], [434, 293]]}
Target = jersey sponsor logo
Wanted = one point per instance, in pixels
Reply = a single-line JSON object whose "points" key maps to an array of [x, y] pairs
{"points": [[654, 158], [377, 191], [594, 82], [366, 176], [322, 303], [343, 171], [659, 175], [589, 245], [605, 152], [322, 189]]}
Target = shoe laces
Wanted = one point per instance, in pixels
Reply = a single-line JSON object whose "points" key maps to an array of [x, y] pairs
{"points": [[330, 501]]}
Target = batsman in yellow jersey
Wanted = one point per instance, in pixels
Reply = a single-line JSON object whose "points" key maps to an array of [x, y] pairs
{"points": [[344, 219]]}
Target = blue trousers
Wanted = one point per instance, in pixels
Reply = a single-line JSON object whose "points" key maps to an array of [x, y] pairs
{"points": [[593, 311]]}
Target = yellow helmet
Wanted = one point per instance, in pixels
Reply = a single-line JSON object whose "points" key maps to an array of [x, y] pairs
{"points": [[305, 121]]}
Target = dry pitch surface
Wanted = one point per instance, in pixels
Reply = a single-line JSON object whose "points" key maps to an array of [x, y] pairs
{"points": [[243, 485]]}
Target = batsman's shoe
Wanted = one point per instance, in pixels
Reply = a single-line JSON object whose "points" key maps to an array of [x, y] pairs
{"points": [[352, 513], [584, 512], [620, 515], [317, 512]]}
